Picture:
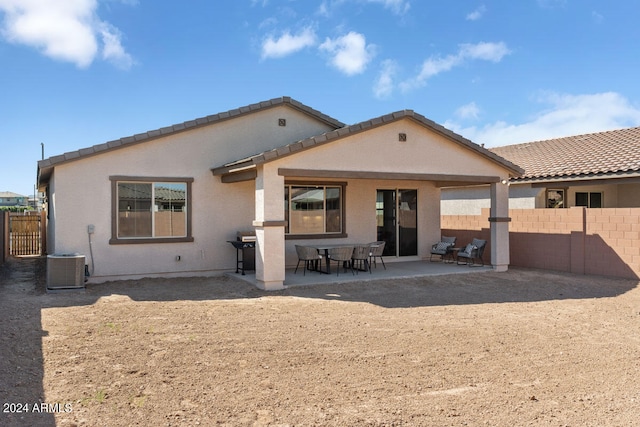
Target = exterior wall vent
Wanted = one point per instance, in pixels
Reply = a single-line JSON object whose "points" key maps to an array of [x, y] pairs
{"points": [[402, 137], [282, 122]]}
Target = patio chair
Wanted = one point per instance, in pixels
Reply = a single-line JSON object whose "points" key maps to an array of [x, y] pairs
{"points": [[342, 255], [376, 252], [472, 252], [443, 248], [360, 258], [310, 257]]}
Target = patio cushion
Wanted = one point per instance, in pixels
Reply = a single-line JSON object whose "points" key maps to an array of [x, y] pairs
{"points": [[441, 247]]}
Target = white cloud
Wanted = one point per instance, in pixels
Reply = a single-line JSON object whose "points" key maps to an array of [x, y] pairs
{"points": [[384, 85], [469, 111], [63, 30], [567, 115], [349, 53], [397, 6], [477, 14], [288, 44], [597, 17], [433, 66], [113, 50]]}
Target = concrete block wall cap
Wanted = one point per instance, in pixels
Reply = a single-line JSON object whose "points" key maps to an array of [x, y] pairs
{"points": [[141, 136], [178, 127], [154, 133], [71, 155], [190, 124], [166, 129], [119, 142], [202, 120]]}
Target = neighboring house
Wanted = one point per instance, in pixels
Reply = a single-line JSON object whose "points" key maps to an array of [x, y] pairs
{"points": [[7, 198], [598, 170], [167, 201]]}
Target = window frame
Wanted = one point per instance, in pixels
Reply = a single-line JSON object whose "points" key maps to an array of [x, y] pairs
{"points": [[116, 240], [334, 235], [589, 195]]}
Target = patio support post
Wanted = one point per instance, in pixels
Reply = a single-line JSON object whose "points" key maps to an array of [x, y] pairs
{"points": [[269, 225], [499, 221]]}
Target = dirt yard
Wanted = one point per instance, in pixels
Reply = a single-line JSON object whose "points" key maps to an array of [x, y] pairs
{"points": [[523, 348]]}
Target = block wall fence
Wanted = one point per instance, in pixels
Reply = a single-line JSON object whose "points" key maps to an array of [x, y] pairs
{"points": [[576, 240]]}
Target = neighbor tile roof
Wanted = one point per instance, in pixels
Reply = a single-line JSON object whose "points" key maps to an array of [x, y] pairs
{"points": [[615, 152]]}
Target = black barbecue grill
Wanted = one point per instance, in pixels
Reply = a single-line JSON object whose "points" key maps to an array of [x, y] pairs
{"points": [[245, 243]]}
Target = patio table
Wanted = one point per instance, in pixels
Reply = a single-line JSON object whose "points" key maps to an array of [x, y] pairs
{"points": [[323, 250], [451, 255]]}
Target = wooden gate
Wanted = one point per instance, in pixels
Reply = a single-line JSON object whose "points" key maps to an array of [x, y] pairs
{"points": [[26, 236]]}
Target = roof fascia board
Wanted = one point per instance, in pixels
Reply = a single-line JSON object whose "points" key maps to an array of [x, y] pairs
{"points": [[324, 173]]}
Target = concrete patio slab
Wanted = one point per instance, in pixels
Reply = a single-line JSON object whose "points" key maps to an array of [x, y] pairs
{"points": [[394, 270]]}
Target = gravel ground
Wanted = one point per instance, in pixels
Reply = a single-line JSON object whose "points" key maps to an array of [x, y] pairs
{"points": [[522, 348]]}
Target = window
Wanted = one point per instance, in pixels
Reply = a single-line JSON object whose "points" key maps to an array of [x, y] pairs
{"points": [[555, 198], [590, 200], [151, 210], [314, 209]]}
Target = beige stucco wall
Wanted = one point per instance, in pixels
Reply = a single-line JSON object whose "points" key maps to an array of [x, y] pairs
{"points": [[81, 195], [379, 150], [628, 195]]}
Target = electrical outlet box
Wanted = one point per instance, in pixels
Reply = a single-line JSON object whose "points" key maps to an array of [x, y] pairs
{"points": [[91, 228]]}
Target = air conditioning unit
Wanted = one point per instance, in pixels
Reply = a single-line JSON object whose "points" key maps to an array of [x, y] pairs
{"points": [[65, 271]]}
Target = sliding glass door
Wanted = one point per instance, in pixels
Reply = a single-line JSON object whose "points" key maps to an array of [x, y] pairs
{"points": [[397, 221]]}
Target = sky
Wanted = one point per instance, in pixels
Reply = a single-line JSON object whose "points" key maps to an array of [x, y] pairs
{"points": [[76, 73]]}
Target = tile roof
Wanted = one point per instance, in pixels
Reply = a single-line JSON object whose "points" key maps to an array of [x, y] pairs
{"points": [[327, 137], [611, 153], [46, 166]]}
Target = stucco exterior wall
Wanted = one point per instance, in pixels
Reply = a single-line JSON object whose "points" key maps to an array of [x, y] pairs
{"points": [[628, 195], [80, 195], [379, 150]]}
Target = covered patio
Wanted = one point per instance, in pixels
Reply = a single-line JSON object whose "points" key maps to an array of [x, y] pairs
{"points": [[378, 180], [395, 271]]}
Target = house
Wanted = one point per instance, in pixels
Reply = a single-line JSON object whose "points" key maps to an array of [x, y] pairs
{"points": [[8, 198], [597, 170], [166, 202]]}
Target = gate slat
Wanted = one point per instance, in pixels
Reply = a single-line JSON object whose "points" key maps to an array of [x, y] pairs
{"points": [[25, 235]]}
